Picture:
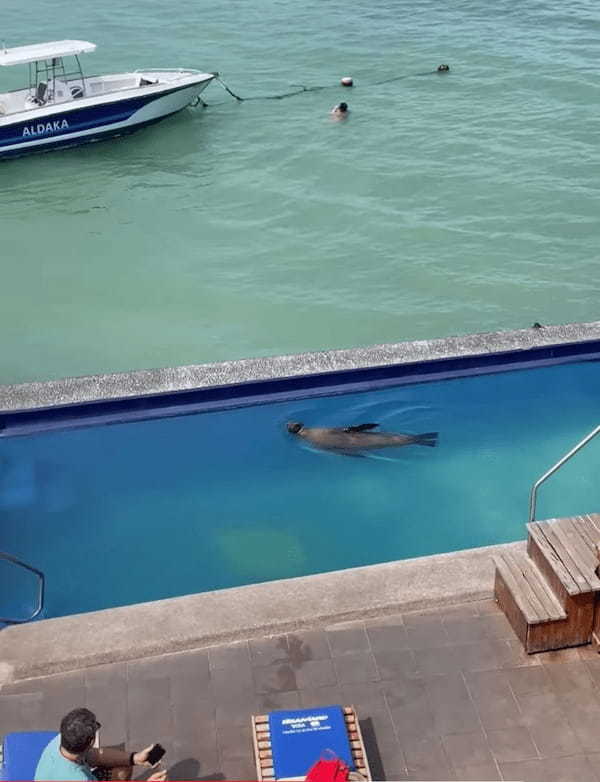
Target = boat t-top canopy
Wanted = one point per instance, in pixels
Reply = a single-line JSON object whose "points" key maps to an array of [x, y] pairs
{"points": [[44, 51]]}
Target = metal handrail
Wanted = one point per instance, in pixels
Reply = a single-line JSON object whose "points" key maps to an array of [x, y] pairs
{"points": [[557, 466], [42, 581]]}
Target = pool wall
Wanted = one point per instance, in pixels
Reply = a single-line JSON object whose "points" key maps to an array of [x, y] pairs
{"points": [[67, 643], [158, 393]]}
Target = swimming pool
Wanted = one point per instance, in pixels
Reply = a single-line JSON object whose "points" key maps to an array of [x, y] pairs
{"points": [[219, 494]]}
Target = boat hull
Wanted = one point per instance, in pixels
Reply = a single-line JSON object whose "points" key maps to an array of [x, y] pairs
{"points": [[72, 124]]}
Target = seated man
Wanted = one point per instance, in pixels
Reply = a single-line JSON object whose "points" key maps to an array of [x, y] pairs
{"points": [[71, 756]]}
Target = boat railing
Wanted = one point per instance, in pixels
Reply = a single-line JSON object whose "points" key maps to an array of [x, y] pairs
{"points": [[576, 448], [41, 588]]}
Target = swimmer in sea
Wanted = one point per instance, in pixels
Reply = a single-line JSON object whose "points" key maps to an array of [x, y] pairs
{"points": [[340, 111]]}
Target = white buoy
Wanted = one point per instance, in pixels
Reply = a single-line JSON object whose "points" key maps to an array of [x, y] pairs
{"points": [[347, 81]]}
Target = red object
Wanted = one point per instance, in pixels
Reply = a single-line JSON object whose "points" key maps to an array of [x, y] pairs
{"points": [[328, 769]]}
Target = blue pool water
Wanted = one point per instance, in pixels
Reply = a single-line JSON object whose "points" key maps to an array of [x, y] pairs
{"points": [[141, 511]]}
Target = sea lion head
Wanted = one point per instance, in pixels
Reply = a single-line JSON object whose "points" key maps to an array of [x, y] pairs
{"points": [[294, 427]]}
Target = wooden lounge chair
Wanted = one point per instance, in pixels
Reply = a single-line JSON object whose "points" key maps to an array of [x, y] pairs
{"points": [[263, 753]]}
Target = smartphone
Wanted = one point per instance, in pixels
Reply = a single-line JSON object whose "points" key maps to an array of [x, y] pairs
{"points": [[155, 754]]}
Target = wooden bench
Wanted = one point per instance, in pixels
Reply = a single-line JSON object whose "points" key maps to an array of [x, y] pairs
{"points": [[264, 755]]}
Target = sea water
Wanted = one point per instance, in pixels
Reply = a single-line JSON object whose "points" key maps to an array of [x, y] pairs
{"points": [[142, 511], [445, 204]]}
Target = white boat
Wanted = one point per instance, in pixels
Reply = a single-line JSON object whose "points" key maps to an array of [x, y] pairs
{"points": [[63, 108]]}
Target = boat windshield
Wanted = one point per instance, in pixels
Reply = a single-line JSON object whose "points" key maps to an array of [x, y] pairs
{"points": [[50, 81]]}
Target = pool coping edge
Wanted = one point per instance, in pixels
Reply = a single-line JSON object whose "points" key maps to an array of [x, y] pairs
{"points": [[150, 382], [70, 643]]}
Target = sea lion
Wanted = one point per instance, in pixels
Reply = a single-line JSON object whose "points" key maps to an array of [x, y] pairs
{"points": [[351, 440]]}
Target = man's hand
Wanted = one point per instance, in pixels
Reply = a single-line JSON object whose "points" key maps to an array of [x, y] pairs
{"points": [[141, 758], [158, 776]]}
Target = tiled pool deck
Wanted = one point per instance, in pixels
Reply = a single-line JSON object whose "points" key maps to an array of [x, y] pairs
{"points": [[446, 694]]}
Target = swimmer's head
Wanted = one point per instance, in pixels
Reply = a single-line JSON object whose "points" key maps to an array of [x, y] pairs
{"points": [[442, 68], [343, 107]]}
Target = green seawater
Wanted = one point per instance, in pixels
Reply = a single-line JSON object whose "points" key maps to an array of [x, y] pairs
{"points": [[445, 204]]}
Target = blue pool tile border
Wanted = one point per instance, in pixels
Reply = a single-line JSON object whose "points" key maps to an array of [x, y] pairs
{"points": [[246, 391]]}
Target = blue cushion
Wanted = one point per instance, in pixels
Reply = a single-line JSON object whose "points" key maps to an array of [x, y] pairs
{"points": [[299, 738], [22, 752]]}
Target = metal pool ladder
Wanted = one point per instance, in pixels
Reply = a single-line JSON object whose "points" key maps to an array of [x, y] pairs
{"points": [[41, 586], [557, 466]]}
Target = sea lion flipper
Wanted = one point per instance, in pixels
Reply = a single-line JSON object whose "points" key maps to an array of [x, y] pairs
{"points": [[361, 428]]}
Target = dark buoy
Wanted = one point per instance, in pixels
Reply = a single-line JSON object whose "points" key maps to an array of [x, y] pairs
{"points": [[443, 68], [347, 81]]}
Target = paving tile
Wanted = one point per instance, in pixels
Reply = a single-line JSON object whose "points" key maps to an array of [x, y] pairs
{"points": [[529, 680], [554, 737], [511, 744], [577, 768], [593, 666], [385, 755], [22, 712], [427, 760], [228, 683], [345, 640], [308, 645], [586, 731], [410, 708], [194, 721], [494, 700], [238, 768], [460, 611], [487, 772], [568, 678], [106, 696], [497, 626], [461, 630], [388, 637], [235, 741], [366, 697], [431, 661], [536, 706], [321, 696], [431, 773], [62, 693], [451, 704], [511, 654], [588, 652], [316, 673], [481, 656], [149, 717], [425, 631], [193, 666], [392, 663], [467, 749], [560, 656], [392, 768], [236, 711], [353, 668], [422, 751], [229, 656], [276, 701], [266, 651], [274, 678], [185, 768], [526, 771]]}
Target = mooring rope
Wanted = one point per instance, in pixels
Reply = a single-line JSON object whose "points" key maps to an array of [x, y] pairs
{"points": [[303, 88]]}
